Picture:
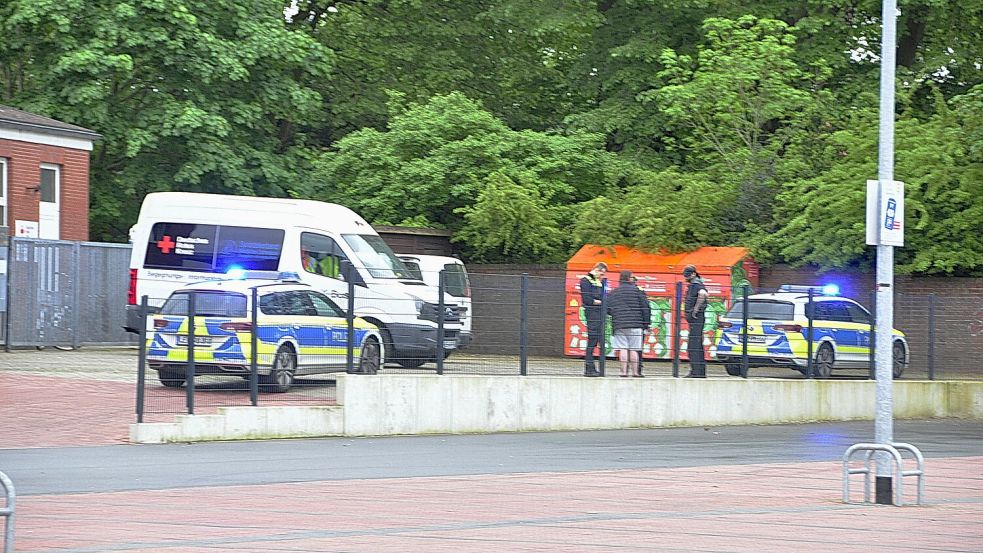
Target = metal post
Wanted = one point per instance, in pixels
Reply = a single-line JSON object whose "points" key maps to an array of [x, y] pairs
{"points": [[602, 342], [11, 251], [810, 316], [883, 420], [189, 375], [253, 347], [744, 357], [677, 329], [441, 286], [931, 336], [142, 358], [350, 319], [524, 325], [872, 371], [77, 291]]}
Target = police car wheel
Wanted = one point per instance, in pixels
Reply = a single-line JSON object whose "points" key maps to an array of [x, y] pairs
{"points": [[170, 379], [824, 361], [281, 376], [733, 369], [897, 356], [371, 359]]}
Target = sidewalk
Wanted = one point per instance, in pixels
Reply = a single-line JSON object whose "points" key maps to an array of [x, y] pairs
{"points": [[757, 508]]}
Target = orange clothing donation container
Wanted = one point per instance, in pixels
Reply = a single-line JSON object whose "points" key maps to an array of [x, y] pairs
{"points": [[724, 270]]}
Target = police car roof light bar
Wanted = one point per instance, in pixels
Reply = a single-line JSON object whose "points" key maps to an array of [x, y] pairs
{"points": [[825, 290]]}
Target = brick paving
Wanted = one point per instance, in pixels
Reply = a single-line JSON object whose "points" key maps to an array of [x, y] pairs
{"points": [[761, 508]]}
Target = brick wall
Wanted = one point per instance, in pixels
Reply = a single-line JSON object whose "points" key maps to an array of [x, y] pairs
{"points": [[958, 308], [24, 161]]}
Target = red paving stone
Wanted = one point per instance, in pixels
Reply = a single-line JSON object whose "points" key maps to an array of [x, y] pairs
{"points": [[64, 411], [762, 508]]}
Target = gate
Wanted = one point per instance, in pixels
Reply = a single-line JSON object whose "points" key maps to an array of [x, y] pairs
{"points": [[65, 293]]}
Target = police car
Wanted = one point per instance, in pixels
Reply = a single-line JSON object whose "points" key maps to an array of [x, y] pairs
{"points": [[299, 331], [778, 328]]}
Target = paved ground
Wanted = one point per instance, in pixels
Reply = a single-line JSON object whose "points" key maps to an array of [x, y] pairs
{"points": [[705, 502]]}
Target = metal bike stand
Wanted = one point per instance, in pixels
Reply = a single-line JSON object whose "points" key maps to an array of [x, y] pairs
{"points": [[8, 511], [897, 474]]}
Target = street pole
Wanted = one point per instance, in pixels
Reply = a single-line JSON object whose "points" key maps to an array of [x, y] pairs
{"points": [[884, 416]]}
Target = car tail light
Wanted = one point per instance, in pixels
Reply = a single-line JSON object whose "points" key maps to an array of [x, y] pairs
{"points": [[724, 324], [160, 323], [789, 328], [131, 294], [236, 327]]}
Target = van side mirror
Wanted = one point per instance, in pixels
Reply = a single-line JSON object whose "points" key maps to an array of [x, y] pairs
{"points": [[350, 273]]}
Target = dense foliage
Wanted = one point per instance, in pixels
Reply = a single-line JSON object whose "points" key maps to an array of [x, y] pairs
{"points": [[528, 128]]}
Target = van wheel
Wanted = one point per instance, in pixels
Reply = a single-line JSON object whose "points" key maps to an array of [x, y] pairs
{"points": [[412, 362], [825, 358], [733, 369], [170, 378], [371, 358], [897, 358], [281, 376]]}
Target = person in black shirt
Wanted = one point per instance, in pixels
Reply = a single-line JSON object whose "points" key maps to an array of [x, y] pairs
{"points": [[592, 296], [696, 304], [630, 317]]}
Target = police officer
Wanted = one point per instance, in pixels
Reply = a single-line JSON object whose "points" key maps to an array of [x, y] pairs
{"points": [[592, 296], [696, 304]]}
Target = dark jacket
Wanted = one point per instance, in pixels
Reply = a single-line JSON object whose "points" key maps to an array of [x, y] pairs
{"points": [[592, 289], [629, 307]]}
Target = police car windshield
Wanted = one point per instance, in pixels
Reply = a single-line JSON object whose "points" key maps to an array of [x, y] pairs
{"points": [[762, 309], [376, 256], [207, 304]]}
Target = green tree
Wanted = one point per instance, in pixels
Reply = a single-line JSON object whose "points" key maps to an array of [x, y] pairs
{"points": [[188, 95], [436, 159]]}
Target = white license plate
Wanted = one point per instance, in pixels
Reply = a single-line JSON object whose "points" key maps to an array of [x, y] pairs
{"points": [[450, 344], [199, 340], [751, 339]]}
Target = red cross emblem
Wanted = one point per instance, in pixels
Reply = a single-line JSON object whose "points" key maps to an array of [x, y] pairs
{"points": [[166, 244]]}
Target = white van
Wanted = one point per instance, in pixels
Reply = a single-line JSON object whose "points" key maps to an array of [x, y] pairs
{"points": [[185, 237], [456, 284]]}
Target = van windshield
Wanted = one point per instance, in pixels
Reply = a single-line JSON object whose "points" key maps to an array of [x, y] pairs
{"points": [[376, 256]]}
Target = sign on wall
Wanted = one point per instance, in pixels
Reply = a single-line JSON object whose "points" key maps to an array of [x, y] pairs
{"points": [[26, 229]]}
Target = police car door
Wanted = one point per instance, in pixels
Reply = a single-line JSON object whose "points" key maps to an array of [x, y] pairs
{"points": [[847, 334], [335, 326]]}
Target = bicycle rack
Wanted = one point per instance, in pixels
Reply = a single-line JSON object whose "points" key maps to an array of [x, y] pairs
{"points": [[8, 512], [897, 474]]}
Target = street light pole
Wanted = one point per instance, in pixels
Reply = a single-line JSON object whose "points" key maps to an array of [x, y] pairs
{"points": [[884, 417]]}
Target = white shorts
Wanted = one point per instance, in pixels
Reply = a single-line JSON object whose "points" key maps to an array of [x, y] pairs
{"points": [[627, 338]]}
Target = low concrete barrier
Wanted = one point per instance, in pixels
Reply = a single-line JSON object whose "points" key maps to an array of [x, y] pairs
{"points": [[429, 404]]}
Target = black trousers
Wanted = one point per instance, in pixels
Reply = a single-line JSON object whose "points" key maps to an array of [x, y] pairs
{"points": [[594, 332], [694, 347]]}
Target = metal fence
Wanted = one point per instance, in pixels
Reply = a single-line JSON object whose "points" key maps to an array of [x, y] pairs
{"points": [[65, 293], [525, 325]]}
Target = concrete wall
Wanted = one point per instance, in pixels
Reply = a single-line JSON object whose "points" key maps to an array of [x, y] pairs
{"points": [[429, 404]]}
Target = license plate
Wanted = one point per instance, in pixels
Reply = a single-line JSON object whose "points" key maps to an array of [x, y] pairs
{"points": [[755, 339], [450, 344], [199, 340]]}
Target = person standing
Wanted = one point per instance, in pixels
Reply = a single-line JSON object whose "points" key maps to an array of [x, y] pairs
{"points": [[696, 304], [592, 297], [630, 316]]}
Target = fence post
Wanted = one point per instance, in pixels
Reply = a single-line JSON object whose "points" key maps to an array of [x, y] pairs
{"points": [[350, 320], [931, 336], [746, 304], [189, 375], [602, 342], [77, 292], [253, 346], [524, 324], [677, 328], [142, 359], [11, 251], [441, 285], [810, 316]]}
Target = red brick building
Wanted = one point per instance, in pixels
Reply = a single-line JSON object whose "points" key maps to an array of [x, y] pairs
{"points": [[44, 176]]}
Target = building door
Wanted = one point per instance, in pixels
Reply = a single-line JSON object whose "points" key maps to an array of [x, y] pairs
{"points": [[50, 205]]}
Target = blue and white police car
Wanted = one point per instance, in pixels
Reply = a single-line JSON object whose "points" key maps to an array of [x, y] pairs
{"points": [[299, 331], [778, 333]]}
